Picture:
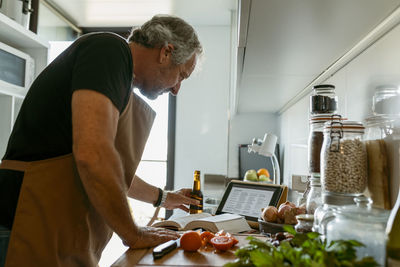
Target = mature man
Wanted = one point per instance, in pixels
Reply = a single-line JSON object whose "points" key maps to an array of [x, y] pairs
{"points": [[77, 142]]}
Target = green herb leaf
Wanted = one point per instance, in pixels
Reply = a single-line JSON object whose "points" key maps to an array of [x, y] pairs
{"points": [[304, 250], [289, 229]]}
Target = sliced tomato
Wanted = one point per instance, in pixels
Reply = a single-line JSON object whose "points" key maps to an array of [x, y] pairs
{"points": [[220, 233], [222, 243], [235, 241], [206, 237]]}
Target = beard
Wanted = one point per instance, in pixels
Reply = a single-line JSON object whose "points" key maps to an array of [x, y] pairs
{"points": [[149, 94], [154, 91]]}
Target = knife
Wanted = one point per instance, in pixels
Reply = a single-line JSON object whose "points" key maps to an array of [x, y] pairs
{"points": [[165, 248]]}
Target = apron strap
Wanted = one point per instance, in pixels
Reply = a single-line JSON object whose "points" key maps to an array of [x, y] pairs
{"points": [[15, 165]]}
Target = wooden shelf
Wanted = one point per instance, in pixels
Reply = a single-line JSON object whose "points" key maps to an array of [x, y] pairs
{"points": [[15, 35]]}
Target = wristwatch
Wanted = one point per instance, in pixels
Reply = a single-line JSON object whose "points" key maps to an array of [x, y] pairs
{"points": [[164, 197]]}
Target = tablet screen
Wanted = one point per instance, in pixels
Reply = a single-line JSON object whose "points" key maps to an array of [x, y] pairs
{"points": [[248, 199]]}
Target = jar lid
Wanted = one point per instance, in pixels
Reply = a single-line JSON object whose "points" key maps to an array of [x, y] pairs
{"points": [[381, 120], [387, 88], [305, 217], [321, 118], [346, 126], [337, 199], [363, 211], [324, 86], [315, 182]]}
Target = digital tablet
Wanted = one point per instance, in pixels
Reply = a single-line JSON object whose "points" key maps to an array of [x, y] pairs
{"points": [[247, 198]]}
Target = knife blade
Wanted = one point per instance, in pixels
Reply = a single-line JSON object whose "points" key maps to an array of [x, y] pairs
{"points": [[165, 248]]}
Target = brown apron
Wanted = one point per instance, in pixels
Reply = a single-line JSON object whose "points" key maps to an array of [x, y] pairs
{"points": [[55, 224]]}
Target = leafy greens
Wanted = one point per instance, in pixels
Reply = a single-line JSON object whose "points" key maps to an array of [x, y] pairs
{"points": [[304, 250]]}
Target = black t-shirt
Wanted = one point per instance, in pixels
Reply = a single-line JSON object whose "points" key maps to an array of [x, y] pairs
{"points": [[43, 128]]}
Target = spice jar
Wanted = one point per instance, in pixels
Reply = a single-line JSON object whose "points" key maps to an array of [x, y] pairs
{"points": [[343, 158], [316, 138], [314, 199], [323, 99], [304, 223], [362, 223]]}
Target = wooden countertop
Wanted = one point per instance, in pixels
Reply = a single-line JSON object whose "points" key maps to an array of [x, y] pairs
{"points": [[203, 257]]}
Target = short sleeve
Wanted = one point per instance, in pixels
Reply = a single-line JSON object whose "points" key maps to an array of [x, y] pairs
{"points": [[103, 63]]}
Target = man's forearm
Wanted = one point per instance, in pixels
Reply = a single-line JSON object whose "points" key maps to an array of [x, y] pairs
{"points": [[143, 191], [102, 176]]}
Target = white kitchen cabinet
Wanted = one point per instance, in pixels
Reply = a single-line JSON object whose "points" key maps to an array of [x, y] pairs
{"points": [[16, 36]]}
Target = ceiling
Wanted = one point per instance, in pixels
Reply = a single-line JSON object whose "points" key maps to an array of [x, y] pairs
{"points": [[126, 13], [289, 43]]}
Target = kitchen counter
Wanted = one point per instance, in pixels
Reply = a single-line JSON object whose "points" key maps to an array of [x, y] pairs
{"points": [[203, 257]]}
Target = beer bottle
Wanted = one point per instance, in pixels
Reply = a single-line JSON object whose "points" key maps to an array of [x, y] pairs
{"points": [[196, 194], [393, 236]]}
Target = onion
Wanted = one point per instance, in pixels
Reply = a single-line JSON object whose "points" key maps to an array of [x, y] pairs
{"points": [[287, 203], [270, 214], [282, 209]]}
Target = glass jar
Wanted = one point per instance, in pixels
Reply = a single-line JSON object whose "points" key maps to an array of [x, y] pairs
{"points": [[386, 100], [362, 223], [314, 199], [392, 142], [344, 158], [324, 213], [316, 138], [323, 99], [304, 223], [376, 129]]}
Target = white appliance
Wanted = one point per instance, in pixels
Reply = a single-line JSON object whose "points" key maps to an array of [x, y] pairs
{"points": [[18, 10], [17, 70]]}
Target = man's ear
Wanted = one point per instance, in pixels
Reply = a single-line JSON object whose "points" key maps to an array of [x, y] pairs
{"points": [[166, 53]]}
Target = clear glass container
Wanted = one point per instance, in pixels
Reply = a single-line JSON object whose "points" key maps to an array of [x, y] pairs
{"points": [[377, 128], [316, 138], [382, 134], [324, 213], [362, 223], [314, 198], [386, 100], [323, 99], [304, 223], [344, 158]]}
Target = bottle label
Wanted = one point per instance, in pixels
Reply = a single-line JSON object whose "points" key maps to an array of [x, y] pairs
{"points": [[195, 207]]}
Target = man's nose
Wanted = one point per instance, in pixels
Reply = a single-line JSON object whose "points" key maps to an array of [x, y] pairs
{"points": [[175, 89]]}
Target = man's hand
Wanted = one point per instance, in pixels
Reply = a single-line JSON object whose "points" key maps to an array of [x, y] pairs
{"points": [[178, 199], [151, 236]]}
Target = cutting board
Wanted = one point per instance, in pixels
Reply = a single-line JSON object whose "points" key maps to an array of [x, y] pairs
{"points": [[203, 257]]}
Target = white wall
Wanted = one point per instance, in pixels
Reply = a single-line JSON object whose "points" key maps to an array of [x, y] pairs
{"points": [[202, 111], [203, 141], [355, 84], [242, 129]]}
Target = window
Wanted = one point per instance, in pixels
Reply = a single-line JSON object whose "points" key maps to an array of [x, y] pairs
{"points": [[153, 167]]}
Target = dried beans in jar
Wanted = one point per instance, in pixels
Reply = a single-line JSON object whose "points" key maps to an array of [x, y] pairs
{"points": [[343, 158]]}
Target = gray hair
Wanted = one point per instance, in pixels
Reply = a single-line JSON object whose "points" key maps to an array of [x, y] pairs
{"points": [[162, 30]]}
